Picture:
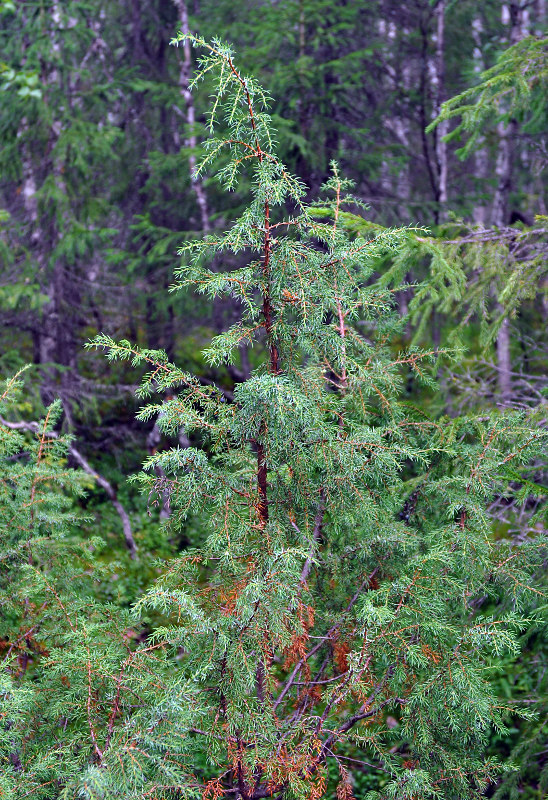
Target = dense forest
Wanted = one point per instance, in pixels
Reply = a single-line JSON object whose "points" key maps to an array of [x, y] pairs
{"points": [[273, 386]]}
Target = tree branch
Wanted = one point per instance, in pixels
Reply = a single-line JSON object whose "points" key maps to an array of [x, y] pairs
{"points": [[86, 466]]}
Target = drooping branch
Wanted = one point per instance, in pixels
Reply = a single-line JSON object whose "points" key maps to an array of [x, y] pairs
{"points": [[291, 680]]}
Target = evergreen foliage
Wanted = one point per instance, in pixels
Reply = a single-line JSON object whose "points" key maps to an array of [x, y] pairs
{"points": [[469, 273], [348, 538], [515, 87], [346, 622]]}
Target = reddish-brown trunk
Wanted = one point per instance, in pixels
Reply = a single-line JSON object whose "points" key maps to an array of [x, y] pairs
{"points": [[262, 475], [268, 310]]}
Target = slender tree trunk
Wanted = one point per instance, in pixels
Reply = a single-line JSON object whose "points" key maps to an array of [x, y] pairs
{"points": [[56, 336], [385, 177], [402, 131], [481, 155], [535, 161], [514, 14], [437, 79], [41, 238], [400, 79], [425, 80], [38, 239], [504, 363], [184, 83], [540, 17], [154, 436], [303, 99], [503, 171]]}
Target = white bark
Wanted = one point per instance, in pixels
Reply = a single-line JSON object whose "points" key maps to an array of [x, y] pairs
{"points": [[516, 16], [184, 83], [437, 79], [481, 155], [401, 77], [504, 363]]}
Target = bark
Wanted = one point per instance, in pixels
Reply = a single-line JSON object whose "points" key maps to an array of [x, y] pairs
{"points": [[536, 191], [56, 340], [481, 155], [262, 485], [425, 78], [400, 79], [503, 171], [137, 32], [504, 363], [515, 14], [437, 79], [303, 99], [39, 240], [540, 17], [154, 436], [386, 180], [184, 83]]}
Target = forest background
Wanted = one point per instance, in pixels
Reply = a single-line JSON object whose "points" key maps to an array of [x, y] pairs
{"points": [[100, 136]]}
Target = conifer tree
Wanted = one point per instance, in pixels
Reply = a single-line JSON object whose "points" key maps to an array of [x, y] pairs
{"points": [[330, 605], [324, 631]]}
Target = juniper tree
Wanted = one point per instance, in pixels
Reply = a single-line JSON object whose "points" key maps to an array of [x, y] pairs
{"points": [[326, 624], [331, 602], [54, 634]]}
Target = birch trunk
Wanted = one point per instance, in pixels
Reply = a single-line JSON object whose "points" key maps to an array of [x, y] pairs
{"points": [[515, 15], [154, 436], [399, 79], [481, 155], [191, 142], [437, 79]]}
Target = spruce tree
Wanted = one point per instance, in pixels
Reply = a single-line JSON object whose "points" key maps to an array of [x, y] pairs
{"points": [[324, 630]]}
